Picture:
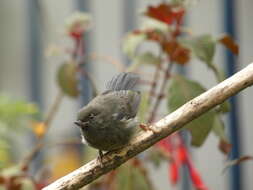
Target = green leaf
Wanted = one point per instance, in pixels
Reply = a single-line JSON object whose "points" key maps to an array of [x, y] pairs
{"points": [[182, 90], [67, 79], [131, 42], [139, 180], [130, 177], [147, 58], [219, 128], [224, 107], [203, 47], [13, 113], [124, 177]]}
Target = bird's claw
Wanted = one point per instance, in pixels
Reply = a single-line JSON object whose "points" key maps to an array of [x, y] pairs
{"points": [[100, 157], [146, 127]]}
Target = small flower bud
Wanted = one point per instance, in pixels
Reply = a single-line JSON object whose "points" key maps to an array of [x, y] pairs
{"points": [[77, 24]]}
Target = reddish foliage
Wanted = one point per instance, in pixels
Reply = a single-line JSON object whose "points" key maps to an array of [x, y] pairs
{"points": [[155, 36], [176, 52], [228, 42], [225, 147], [166, 13]]}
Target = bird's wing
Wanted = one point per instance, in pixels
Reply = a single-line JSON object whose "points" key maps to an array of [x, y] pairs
{"points": [[128, 102], [122, 81]]}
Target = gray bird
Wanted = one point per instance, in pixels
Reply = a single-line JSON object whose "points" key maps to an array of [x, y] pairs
{"points": [[108, 121]]}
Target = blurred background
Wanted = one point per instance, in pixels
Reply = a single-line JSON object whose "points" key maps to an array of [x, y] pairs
{"points": [[29, 27]]}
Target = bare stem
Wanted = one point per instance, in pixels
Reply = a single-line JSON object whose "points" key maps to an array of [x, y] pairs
{"points": [[47, 121], [160, 95], [120, 67], [53, 109], [154, 83]]}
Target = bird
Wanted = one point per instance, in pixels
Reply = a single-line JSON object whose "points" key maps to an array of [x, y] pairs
{"points": [[108, 121]]}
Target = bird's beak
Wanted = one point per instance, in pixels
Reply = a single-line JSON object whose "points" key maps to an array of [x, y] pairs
{"points": [[81, 124], [78, 123]]}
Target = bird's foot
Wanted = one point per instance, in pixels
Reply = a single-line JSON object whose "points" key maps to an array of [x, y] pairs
{"points": [[100, 157], [146, 127]]}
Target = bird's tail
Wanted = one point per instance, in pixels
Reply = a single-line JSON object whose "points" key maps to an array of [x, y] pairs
{"points": [[122, 81]]}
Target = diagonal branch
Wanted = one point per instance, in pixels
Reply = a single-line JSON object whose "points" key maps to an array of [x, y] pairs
{"points": [[166, 126]]}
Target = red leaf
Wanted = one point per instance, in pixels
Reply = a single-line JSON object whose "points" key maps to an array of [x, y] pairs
{"points": [[177, 53], [155, 36], [166, 13], [229, 43], [225, 147]]}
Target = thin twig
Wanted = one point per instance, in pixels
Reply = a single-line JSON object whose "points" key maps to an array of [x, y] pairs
{"points": [[53, 109], [163, 128], [47, 121], [120, 67], [154, 83], [155, 79], [160, 95]]}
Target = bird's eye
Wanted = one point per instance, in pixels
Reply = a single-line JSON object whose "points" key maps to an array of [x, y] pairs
{"points": [[91, 116]]}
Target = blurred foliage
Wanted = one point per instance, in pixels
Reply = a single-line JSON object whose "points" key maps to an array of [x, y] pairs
{"points": [[15, 117], [181, 91], [14, 113], [67, 79]]}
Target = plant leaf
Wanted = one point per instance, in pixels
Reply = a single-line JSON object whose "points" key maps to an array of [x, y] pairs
{"points": [[219, 131], [67, 79], [225, 147], [181, 90], [229, 43], [166, 13], [219, 128], [203, 47], [225, 107], [14, 113], [151, 24], [237, 161], [131, 178], [131, 42], [177, 52], [147, 58]]}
